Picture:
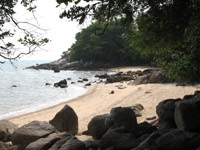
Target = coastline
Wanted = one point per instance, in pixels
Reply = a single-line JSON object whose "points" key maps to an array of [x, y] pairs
{"points": [[98, 101]]}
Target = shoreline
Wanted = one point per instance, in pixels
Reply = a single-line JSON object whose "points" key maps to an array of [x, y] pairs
{"points": [[98, 101]]}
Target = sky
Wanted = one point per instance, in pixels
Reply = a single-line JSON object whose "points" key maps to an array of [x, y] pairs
{"points": [[61, 32]]}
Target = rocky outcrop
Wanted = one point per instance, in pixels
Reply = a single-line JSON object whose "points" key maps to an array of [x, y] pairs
{"points": [[61, 84], [7, 128], [31, 132], [66, 120]]}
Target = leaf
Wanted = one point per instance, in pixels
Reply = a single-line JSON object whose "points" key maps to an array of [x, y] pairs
{"points": [[82, 18]]}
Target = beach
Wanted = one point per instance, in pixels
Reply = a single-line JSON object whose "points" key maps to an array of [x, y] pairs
{"points": [[98, 100]]}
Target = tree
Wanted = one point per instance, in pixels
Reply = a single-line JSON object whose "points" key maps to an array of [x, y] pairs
{"points": [[31, 39], [110, 47], [167, 29]]}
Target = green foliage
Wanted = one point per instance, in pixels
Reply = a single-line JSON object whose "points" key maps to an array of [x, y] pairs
{"points": [[30, 40], [108, 47]]}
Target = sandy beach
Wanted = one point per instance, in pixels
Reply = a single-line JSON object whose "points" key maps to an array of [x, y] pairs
{"points": [[98, 100]]}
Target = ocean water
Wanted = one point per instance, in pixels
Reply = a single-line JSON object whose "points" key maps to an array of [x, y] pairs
{"points": [[24, 90]]}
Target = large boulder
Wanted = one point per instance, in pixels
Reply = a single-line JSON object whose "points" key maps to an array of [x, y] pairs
{"points": [[123, 117], [46, 143], [66, 120], [165, 111], [31, 132], [121, 141], [179, 140], [187, 114], [7, 128], [97, 127]]}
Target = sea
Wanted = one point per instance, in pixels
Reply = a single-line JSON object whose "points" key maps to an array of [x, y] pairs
{"points": [[25, 90]]}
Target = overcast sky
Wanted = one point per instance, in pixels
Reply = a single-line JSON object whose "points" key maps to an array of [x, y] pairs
{"points": [[61, 32]]}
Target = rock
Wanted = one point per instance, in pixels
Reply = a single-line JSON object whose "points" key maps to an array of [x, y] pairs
{"points": [[7, 128], [149, 143], [150, 117], [179, 140], [123, 117], [66, 120], [56, 70], [91, 144], [146, 128], [80, 81], [88, 84], [73, 144], [58, 144], [121, 141], [187, 114], [4, 146], [69, 78], [85, 79], [141, 80], [62, 84], [31, 132], [112, 92], [158, 77], [137, 108], [165, 111], [46, 143], [47, 84], [97, 127], [14, 85]]}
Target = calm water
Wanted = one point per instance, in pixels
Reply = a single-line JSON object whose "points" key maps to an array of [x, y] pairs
{"points": [[25, 90]]}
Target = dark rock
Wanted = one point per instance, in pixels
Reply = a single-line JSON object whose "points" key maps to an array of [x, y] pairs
{"points": [[165, 111], [104, 76], [121, 141], [14, 85], [88, 84], [97, 127], [66, 120], [57, 145], [112, 92], [179, 140], [85, 79], [73, 144], [149, 143], [150, 117], [72, 82], [69, 78], [31, 132], [7, 128], [146, 128], [48, 84], [56, 70], [62, 84], [123, 117], [46, 143], [91, 144], [187, 114], [80, 81]]}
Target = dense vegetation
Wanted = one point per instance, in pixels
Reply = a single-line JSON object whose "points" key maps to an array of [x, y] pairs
{"points": [[111, 46], [168, 30]]}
